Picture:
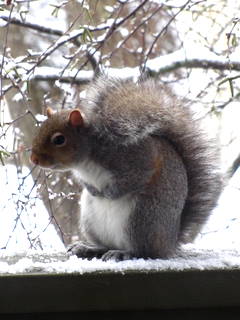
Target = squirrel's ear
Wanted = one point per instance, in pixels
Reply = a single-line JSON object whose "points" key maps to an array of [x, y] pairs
{"points": [[49, 112], [76, 118]]}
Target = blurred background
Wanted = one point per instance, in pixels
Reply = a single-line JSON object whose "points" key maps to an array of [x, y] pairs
{"points": [[50, 50]]}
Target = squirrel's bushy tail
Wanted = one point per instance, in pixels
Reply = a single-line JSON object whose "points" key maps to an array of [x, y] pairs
{"points": [[201, 158], [148, 108]]}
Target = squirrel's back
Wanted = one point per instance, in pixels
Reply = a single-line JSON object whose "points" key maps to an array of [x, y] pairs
{"points": [[126, 112]]}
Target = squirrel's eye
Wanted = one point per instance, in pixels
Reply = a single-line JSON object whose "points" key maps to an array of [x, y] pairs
{"points": [[58, 139]]}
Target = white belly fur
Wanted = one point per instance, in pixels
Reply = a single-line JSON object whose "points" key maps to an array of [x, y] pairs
{"points": [[93, 174], [106, 219]]}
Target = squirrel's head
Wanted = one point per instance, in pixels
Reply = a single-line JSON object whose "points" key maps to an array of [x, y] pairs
{"points": [[61, 140]]}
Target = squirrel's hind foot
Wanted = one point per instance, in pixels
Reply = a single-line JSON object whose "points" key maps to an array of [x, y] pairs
{"points": [[82, 250], [86, 251], [117, 255]]}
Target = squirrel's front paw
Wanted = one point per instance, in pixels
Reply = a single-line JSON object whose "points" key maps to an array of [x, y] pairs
{"points": [[117, 255], [82, 250]]}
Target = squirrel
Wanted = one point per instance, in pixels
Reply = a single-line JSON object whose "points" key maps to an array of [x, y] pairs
{"points": [[150, 174]]}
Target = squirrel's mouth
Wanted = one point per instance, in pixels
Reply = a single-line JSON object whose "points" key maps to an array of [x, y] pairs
{"points": [[46, 162]]}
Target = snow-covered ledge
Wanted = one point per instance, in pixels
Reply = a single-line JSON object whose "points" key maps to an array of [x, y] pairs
{"points": [[190, 258], [54, 282]]}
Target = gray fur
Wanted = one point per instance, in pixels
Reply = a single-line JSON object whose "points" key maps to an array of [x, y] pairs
{"points": [[127, 113], [150, 174]]}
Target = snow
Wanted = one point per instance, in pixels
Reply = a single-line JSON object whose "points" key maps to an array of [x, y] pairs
{"points": [[191, 258], [56, 72]]}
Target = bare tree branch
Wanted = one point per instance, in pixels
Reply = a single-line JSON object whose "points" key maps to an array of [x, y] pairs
{"points": [[4, 53], [162, 32], [156, 66], [235, 166], [217, 63], [144, 21], [42, 29], [29, 25]]}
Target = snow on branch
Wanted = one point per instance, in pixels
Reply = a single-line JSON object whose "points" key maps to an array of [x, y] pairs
{"points": [[158, 66], [16, 20], [202, 63], [4, 15]]}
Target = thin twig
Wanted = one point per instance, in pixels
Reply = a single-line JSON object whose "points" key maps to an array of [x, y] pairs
{"points": [[51, 214], [143, 22], [4, 54], [164, 29], [47, 30]]}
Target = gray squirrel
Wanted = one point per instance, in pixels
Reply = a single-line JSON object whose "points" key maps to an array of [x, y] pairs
{"points": [[150, 175]]}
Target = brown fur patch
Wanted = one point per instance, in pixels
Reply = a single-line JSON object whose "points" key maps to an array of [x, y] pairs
{"points": [[157, 164]]}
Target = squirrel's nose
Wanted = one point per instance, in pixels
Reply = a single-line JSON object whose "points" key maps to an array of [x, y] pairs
{"points": [[34, 159]]}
